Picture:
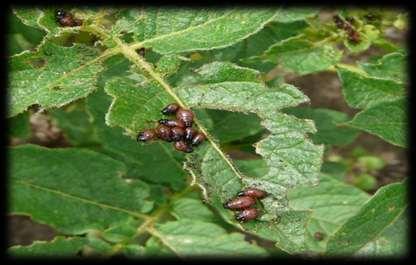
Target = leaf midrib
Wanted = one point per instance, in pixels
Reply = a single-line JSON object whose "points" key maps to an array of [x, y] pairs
{"points": [[87, 201]]}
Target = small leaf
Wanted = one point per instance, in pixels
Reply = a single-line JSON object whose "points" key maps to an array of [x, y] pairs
{"points": [[382, 210], [187, 238], [59, 246], [52, 76], [363, 91], [303, 56], [72, 190], [391, 128], [391, 66]]}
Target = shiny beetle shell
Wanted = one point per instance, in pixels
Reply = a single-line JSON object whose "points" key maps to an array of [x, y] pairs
{"points": [[198, 139], [183, 147], [253, 192], [172, 123], [186, 116], [190, 133], [177, 133], [163, 132], [170, 109], [247, 215], [239, 203], [146, 135]]}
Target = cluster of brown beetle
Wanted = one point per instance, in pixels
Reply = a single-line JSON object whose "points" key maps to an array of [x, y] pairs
{"points": [[66, 19], [179, 131], [244, 202], [347, 26]]}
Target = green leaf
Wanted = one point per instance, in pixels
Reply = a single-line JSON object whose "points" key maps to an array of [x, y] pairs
{"points": [[29, 16], [193, 209], [382, 210], [303, 56], [295, 14], [59, 246], [391, 128], [72, 190], [187, 238], [19, 126], [52, 76], [392, 242], [326, 120], [362, 91], [135, 102], [391, 66], [75, 124], [182, 30], [332, 203], [229, 126], [121, 231]]}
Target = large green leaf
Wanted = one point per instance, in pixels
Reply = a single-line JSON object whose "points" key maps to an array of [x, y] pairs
{"points": [[302, 56], [391, 66], [384, 208], [387, 120], [59, 246], [52, 76], [181, 30], [362, 91], [72, 190]]}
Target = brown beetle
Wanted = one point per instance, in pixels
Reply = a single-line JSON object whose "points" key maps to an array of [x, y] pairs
{"points": [[319, 236], [172, 123], [66, 19], [190, 133], [170, 109], [177, 133], [163, 132], [183, 147], [253, 192], [186, 116], [146, 135], [141, 52], [199, 138], [239, 203], [247, 215]]}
